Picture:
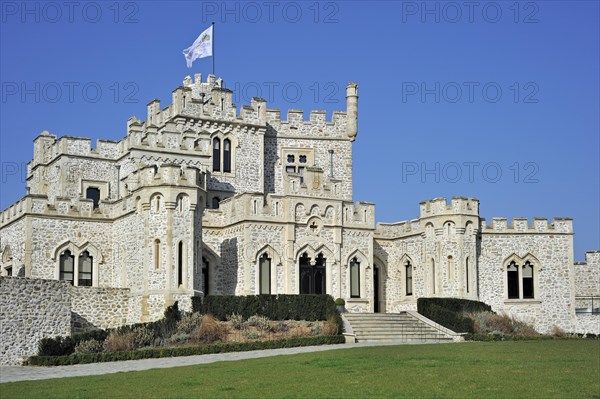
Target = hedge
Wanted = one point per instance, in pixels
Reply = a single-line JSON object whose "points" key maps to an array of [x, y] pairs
{"points": [[183, 351], [449, 312], [275, 307]]}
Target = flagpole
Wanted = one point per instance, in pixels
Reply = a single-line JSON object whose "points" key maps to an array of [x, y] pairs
{"points": [[213, 48]]}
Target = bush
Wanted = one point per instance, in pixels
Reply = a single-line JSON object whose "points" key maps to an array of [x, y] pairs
{"points": [[274, 307], [60, 346], [330, 327], [237, 321], [183, 351], [340, 302], [501, 325], [189, 323], [449, 312], [142, 336], [261, 322], [119, 342], [210, 330], [89, 346]]}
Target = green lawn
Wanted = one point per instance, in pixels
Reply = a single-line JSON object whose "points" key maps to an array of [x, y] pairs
{"points": [[516, 369]]}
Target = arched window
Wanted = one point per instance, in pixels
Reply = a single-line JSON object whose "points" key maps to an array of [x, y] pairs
{"points": [[86, 264], [93, 193], [264, 274], [157, 254], [409, 278], [180, 264], [354, 278], [215, 202], [204, 276], [521, 278], [67, 267], [226, 155], [527, 280], [216, 154], [512, 275]]}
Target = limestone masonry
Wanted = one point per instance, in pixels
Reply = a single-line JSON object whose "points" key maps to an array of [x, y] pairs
{"points": [[205, 198]]}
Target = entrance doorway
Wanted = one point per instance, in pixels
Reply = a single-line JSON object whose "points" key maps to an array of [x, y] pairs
{"points": [[312, 278]]}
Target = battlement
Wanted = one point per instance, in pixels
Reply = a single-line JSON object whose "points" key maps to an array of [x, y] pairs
{"points": [[172, 175], [457, 206], [255, 207], [47, 147], [210, 100], [521, 225], [398, 229]]}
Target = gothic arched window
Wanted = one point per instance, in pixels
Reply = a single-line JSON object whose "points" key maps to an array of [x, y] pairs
{"points": [[512, 274], [216, 154], [409, 278], [86, 264], [354, 278], [226, 155], [67, 267], [264, 282]]}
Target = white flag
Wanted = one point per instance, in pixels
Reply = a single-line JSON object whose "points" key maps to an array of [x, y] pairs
{"points": [[201, 48]]}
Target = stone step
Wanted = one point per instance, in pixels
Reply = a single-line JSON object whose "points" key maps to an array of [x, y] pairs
{"points": [[404, 328]]}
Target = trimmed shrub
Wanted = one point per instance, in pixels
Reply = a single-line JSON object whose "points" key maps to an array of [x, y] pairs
{"points": [[183, 351], [449, 312], [274, 307]]}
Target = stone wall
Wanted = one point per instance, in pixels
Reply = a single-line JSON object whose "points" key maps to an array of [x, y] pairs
{"points": [[587, 276], [95, 307], [31, 309]]}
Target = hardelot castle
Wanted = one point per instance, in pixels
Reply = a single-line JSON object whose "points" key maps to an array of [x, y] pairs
{"points": [[203, 198]]}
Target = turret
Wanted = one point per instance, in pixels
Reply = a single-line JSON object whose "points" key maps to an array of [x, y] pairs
{"points": [[352, 110]]}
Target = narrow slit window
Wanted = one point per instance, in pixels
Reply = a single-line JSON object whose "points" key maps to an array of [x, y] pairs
{"points": [[409, 279], [354, 278], [512, 276], [265, 275], [216, 155]]}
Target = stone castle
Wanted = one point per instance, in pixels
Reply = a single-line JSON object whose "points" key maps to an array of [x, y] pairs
{"points": [[203, 198]]}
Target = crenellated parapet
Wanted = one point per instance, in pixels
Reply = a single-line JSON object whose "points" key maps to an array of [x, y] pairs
{"points": [[48, 147], [521, 225], [457, 206], [255, 207], [399, 229]]}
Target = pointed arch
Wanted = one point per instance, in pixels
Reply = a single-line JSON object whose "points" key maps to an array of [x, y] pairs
{"points": [[7, 262], [266, 260]]}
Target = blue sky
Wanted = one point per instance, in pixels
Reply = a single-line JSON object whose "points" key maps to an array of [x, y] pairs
{"points": [[493, 100]]}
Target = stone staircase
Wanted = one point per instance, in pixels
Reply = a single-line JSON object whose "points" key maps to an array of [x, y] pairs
{"points": [[403, 327]]}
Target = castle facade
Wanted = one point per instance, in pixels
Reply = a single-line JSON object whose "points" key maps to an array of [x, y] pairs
{"points": [[203, 198]]}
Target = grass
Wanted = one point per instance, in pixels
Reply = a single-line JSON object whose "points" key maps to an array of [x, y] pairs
{"points": [[514, 369]]}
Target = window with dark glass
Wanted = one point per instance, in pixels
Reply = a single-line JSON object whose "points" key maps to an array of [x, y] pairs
{"points": [[467, 274], [512, 276], [67, 267], [215, 202], [527, 280], [86, 263], [180, 263], [93, 193], [226, 155], [216, 155], [354, 278], [265, 274], [204, 276], [409, 278]]}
